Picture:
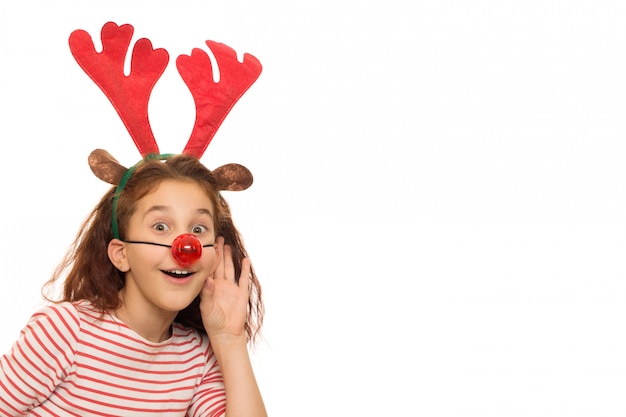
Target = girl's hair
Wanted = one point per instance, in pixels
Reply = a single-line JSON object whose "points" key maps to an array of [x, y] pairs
{"points": [[91, 275]]}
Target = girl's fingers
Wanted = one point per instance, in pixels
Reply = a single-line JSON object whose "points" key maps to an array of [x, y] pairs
{"points": [[226, 268], [229, 267], [244, 279], [219, 250]]}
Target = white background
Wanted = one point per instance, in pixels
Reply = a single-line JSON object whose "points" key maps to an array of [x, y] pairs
{"points": [[438, 214]]}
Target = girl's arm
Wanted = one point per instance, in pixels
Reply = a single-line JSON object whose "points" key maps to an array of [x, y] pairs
{"points": [[224, 311], [39, 360], [243, 397]]}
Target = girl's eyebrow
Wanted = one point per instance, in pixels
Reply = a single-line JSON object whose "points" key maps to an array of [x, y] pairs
{"points": [[205, 211], [156, 208]]}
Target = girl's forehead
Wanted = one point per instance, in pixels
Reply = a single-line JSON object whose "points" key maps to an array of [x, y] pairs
{"points": [[171, 194]]}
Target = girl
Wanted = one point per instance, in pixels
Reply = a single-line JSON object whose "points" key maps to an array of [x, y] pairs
{"points": [[129, 336], [159, 299]]}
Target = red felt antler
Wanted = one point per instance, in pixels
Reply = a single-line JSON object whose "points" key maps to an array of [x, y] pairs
{"points": [[214, 100], [128, 94]]}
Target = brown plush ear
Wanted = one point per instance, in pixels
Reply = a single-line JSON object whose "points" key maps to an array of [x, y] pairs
{"points": [[232, 177], [105, 167]]}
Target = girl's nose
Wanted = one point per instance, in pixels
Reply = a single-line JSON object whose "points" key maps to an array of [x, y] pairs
{"points": [[186, 249]]}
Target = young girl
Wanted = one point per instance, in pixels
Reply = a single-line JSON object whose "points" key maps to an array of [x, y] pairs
{"points": [[158, 305]]}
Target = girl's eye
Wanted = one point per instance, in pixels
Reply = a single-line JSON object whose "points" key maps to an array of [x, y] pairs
{"points": [[199, 229], [161, 227]]}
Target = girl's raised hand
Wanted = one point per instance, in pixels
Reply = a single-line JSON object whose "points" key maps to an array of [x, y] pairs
{"points": [[224, 304]]}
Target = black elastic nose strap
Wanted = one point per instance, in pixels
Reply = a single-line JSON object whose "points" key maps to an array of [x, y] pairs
{"points": [[209, 245]]}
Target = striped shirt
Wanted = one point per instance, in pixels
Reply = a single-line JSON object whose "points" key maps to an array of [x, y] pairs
{"points": [[71, 361]]}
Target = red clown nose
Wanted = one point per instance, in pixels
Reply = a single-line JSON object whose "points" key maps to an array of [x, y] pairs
{"points": [[186, 249]]}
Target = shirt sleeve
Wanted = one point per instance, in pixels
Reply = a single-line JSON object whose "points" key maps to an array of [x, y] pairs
{"points": [[210, 397], [39, 360]]}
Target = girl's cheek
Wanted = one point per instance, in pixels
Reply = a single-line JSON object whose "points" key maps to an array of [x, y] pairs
{"points": [[212, 258]]}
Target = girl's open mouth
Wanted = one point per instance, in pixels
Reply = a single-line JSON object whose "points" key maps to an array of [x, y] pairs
{"points": [[178, 273]]}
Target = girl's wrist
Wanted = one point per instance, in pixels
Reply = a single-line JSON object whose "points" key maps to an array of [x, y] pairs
{"points": [[227, 340]]}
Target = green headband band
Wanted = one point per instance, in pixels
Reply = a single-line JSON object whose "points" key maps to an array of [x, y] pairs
{"points": [[129, 172]]}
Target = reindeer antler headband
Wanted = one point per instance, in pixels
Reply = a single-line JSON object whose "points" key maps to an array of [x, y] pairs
{"points": [[130, 95]]}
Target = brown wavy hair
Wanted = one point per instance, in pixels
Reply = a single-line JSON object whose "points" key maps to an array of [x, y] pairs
{"points": [[89, 273]]}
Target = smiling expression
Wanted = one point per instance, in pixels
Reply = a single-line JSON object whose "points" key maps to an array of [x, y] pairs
{"points": [[153, 278]]}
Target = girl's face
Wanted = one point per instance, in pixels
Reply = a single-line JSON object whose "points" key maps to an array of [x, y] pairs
{"points": [[154, 280]]}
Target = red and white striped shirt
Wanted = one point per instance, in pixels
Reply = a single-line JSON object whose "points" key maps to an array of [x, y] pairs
{"points": [[71, 361]]}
